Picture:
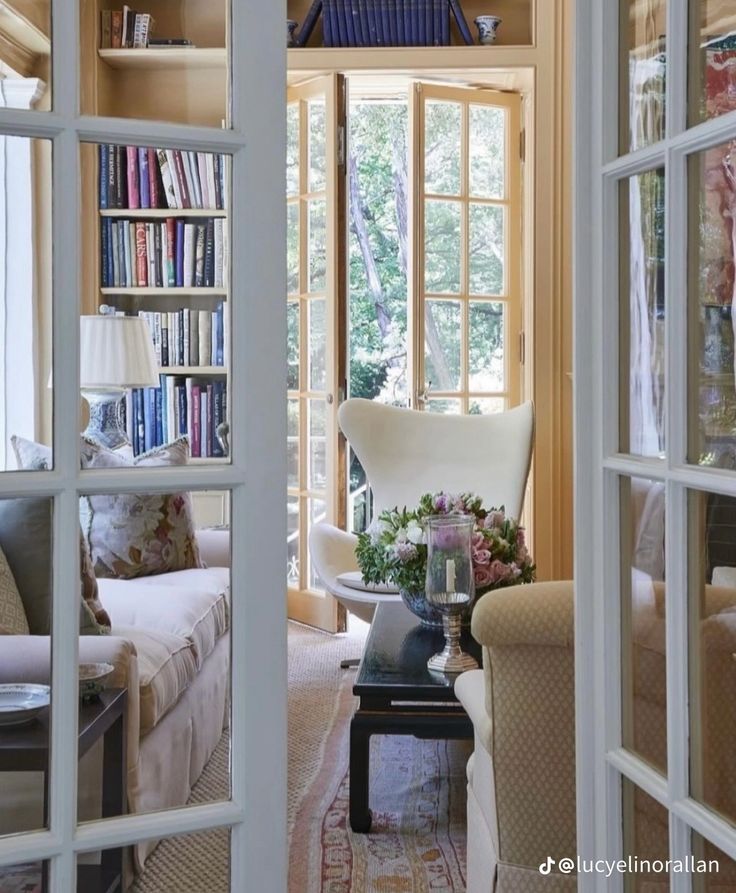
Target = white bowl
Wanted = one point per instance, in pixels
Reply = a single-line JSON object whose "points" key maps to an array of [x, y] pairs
{"points": [[92, 679], [22, 702]]}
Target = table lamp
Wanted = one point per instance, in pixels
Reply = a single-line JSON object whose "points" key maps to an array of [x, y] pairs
{"points": [[116, 352]]}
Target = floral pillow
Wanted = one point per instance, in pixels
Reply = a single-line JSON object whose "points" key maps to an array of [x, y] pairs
{"points": [[135, 535]]}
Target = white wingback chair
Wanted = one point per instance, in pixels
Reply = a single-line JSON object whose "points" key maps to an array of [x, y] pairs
{"points": [[406, 453]]}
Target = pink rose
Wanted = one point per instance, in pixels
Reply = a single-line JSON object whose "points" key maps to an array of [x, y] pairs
{"points": [[482, 577], [520, 537], [499, 571], [481, 556], [494, 519], [478, 540]]}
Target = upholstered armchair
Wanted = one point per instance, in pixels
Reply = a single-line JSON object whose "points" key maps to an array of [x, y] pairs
{"points": [[406, 453]]}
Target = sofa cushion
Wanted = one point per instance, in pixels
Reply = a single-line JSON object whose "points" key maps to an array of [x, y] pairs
{"points": [[197, 613], [132, 535], [13, 620], [167, 666]]}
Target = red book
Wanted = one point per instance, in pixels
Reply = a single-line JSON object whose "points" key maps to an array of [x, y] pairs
{"points": [[195, 427], [170, 252], [152, 178], [140, 254], [133, 194], [117, 29], [182, 179]]}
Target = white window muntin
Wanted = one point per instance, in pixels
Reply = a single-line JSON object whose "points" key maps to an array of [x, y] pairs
{"points": [[257, 471]]}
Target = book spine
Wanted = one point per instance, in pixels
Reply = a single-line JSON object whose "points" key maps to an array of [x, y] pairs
{"points": [[191, 189], [141, 420], [158, 438], [217, 418], [104, 251], [164, 339], [204, 180], [157, 255], [399, 18], [157, 337], [219, 224], [185, 346], [205, 338], [127, 255], [220, 340], [428, 21], [121, 178], [145, 192], [188, 385], [170, 410], [180, 346], [167, 178], [151, 163], [132, 169], [175, 184], [461, 21], [181, 179], [189, 254], [105, 29], [210, 420], [391, 9], [170, 252], [164, 432], [203, 423], [179, 253], [141, 255], [385, 27], [116, 38], [352, 38], [199, 257], [339, 30], [211, 190], [104, 174], [148, 418], [195, 427], [194, 337], [310, 20], [181, 396], [369, 7], [209, 254]]}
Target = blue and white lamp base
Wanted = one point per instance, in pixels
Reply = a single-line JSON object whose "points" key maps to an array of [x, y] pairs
{"points": [[106, 417]]}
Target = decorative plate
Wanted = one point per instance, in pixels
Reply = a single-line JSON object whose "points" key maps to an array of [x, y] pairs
{"points": [[354, 580], [21, 703], [92, 679]]}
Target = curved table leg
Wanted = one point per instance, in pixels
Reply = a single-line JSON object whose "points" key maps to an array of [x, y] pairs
{"points": [[360, 741]]}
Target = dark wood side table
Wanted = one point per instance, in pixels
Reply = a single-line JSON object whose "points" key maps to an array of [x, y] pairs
{"points": [[400, 696], [26, 749]]}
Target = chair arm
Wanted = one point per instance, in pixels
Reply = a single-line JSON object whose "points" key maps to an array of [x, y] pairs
{"points": [[333, 552], [533, 614], [470, 691], [214, 546]]}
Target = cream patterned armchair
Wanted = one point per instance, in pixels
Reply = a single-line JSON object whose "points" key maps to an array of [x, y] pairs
{"points": [[405, 454]]}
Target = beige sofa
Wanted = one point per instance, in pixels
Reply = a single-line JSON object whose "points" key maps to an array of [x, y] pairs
{"points": [[170, 648]]}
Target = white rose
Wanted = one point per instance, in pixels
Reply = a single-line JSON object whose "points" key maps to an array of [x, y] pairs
{"points": [[376, 530], [415, 534], [401, 536]]}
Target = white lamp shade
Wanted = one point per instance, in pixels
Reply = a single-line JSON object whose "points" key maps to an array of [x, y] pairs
{"points": [[116, 352]]}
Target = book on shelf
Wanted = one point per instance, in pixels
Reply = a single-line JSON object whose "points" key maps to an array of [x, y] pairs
{"points": [[125, 29], [163, 253], [187, 337], [144, 177], [179, 406]]}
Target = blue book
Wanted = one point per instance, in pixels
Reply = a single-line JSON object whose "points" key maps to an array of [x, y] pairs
{"points": [[149, 419], [122, 226], [104, 174], [179, 252], [181, 397], [110, 262], [220, 342], [437, 22], [164, 409], [140, 420], [373, 36], [420, 27], [428, 21], [405, 12], [310, 20], [374, 10], [445, 24], [145, 189], [342, 23], [159, 433], [104, 251], [355, 34], [400, 35], [384, 28], [461, 21], [392, 11]]}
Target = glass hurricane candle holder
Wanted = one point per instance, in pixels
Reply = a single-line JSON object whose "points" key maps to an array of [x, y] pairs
{"points": [[450, 585]]}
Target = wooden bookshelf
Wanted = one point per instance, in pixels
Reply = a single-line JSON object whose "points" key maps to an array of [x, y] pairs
{"points": [[175, 59], [161, 292], [193, 371]]}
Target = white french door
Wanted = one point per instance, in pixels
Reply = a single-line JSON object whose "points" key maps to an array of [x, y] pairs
{"points": [[655, 398], [251, 65]]}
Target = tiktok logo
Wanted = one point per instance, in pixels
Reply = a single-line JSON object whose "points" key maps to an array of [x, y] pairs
{"points": [[547, 865]]}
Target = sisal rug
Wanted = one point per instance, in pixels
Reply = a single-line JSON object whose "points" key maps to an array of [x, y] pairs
{"points": [[417, 842]]}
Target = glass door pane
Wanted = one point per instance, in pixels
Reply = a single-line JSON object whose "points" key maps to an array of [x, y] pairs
{"points": [[642, 76], [712, 62], [468, 297], [312, 285]]}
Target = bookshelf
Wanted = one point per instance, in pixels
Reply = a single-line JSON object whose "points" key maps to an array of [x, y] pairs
{"points": [[152, 275]]}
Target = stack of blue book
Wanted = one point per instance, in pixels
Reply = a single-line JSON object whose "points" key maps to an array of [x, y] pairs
{"points": [[385, 23]]}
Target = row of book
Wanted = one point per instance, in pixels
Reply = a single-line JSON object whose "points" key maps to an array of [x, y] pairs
{"points": [[189, 337], [125, 28], [391, 23], [179, 406], [145, 177], [170, 253]]}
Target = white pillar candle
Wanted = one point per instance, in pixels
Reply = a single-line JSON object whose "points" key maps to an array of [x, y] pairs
{"points": [[450, 575]]}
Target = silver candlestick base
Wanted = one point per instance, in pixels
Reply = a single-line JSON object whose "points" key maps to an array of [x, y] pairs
{"points": [[452, 659]]}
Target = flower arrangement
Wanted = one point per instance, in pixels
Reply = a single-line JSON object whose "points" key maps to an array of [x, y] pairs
{"points": [[393, 549]]}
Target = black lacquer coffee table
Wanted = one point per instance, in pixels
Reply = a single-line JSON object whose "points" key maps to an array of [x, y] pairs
{"points": [[400, 696]]}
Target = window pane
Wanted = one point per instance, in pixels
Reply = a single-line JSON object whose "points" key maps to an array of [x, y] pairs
{"points": [[317, 144], [712, 578], [317, 245], [169, 62], [486, 405], [486, 252], [643, 314], [442, 141], [292, 149], [292, 248], [487, 151], [717, 871], [448, 407], [198, 861], [25, 56], [711, 290], [646, 841], [442, 247], [293, 312], [643, 31], [317, 346], [485, 346], [293, 443], [712, 66], [292, 540], [317, 514], [29, 876], [136, 543], [26, 409], [26, 579], [442, 345], [643, 612], [317, 445]]}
